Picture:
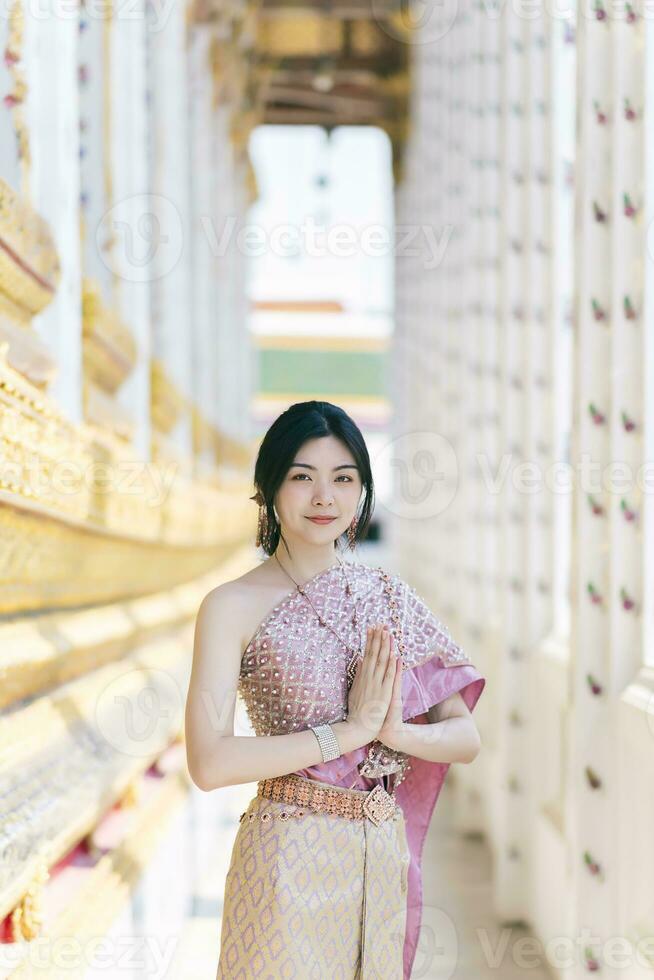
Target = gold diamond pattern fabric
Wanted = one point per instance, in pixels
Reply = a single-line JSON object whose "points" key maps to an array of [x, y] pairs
{"points": [[314, 896]]}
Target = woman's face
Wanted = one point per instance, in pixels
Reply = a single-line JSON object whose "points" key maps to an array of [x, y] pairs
{"points": [[322, 481]]}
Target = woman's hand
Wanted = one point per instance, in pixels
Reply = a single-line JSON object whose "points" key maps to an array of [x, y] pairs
{"points": [[393, 723], [370, 694]]}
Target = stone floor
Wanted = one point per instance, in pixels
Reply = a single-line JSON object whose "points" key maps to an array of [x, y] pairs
{"points": [[460, 938]]}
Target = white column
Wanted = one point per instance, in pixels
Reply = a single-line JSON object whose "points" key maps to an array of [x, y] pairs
{"points": [[96, 101], [489, 124], [205, 228], [16, 36], [513, 865], [234, 364], [629, 259], [241, 346], [173, 170], [133, 215], [51, 67], [229, 217], [592, 741]]}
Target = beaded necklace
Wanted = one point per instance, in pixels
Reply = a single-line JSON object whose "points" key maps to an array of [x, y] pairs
{"points": [[355, 654], [376, 746]]}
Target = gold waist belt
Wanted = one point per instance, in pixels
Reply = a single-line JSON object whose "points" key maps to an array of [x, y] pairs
{"points": [[355, 804]]}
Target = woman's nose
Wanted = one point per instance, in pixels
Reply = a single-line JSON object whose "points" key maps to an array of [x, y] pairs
{"points": [[323, 497]]}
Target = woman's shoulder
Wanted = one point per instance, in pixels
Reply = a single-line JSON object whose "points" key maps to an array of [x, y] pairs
{"points": [[243, 585], [252, 596], [236, 596]]}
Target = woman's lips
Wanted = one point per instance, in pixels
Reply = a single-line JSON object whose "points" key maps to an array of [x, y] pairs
{"points": [[321, 520]]}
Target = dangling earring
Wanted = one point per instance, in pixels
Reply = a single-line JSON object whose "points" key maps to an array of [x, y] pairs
{"points": [[351, 533], [262, 521], [262, 526]]}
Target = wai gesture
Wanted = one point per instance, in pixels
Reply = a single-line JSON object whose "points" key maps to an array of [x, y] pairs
{"points": [[393, 720], [375, 698]]}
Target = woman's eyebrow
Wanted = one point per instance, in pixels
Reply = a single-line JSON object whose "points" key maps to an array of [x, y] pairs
{"points": [[343, 466]]}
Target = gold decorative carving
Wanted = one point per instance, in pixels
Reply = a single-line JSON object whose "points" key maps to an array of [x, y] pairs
{"points": [[241, 126], [46, 649], [29, 264], [15, 99], [105, 413], [202, 431], [130, 797], [230, 453], [26, 917], [109, 347], [77, 735], [251, 182], [25, 352], [82, 519], [106, 888], [167, 402], [65, 563], [37, 443], [226, 452]]}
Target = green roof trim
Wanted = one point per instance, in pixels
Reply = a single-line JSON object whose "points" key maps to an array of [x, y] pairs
{"points": [[337, 372]]}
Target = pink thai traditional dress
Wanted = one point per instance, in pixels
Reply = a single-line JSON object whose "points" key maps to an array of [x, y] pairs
{"points": [[319, 895]]}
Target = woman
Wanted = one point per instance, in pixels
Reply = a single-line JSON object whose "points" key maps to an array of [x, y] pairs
{"points": [[360, 701]]}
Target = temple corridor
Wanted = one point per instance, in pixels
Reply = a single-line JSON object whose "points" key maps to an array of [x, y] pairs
{"points": [[439, 218]]}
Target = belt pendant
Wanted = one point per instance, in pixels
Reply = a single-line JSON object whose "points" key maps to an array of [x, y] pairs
{"points": [[378, 805]]}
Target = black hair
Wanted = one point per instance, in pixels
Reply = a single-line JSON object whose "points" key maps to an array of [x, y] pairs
{"points": [[289, 431]]}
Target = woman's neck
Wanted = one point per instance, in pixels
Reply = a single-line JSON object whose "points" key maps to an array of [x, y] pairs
{"points": [[303, 566]]}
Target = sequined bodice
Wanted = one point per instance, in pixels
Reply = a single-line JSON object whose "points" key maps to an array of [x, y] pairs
{"points": [[293, 671]]}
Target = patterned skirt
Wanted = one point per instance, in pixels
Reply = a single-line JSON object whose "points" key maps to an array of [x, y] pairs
{"points": [[314, 896]]}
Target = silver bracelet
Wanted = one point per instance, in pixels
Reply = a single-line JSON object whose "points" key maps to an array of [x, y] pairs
{"points": [[327, 741]]}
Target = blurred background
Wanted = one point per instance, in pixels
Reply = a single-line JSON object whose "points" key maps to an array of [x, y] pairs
{"points": [[437, 216]]}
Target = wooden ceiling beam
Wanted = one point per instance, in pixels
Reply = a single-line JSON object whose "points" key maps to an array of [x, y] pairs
{"points": [[333, 9], [289, 116], [332, 62], [390, 63], [360, 77], [334, 101]]}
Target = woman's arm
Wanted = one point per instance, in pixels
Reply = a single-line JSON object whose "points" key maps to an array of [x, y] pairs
{"points": [[450, 736], [215, 756]]}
